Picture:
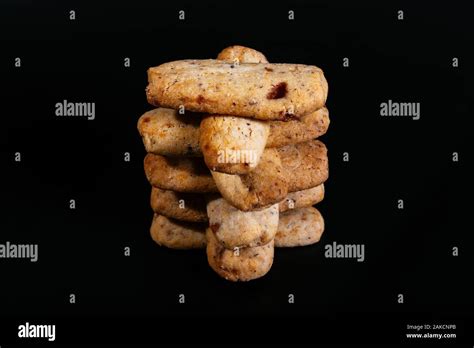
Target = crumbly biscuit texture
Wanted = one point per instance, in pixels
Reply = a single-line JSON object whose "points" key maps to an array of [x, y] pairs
{"points": [[262, 91]]}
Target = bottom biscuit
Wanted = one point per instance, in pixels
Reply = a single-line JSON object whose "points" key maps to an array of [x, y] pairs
{"points": [[177, 234], [240, 264], [299, 227]]}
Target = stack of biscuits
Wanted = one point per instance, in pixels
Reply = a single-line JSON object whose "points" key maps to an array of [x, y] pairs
{"points": [[233, 159]]}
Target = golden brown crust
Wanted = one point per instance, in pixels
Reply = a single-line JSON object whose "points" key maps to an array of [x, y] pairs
{"points": [[262, 91], [178, 205], [178, 174]]}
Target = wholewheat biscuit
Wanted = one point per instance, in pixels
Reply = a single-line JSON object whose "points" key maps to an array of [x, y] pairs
{"points": [[308, 127], [182, 174], [178, 205], [241, 264], [186, 129], [303, 198], [234, 228], [177, 234], [168, 133], [264, 186], [305, 164], [160, 134], [299, 227], [262, 91]]}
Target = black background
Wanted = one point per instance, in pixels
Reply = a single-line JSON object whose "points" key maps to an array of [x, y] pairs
{"points": [[135, 298]]}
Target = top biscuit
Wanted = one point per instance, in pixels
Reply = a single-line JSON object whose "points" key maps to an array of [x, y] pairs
{"points": [[262, 91], [241, 54]]}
